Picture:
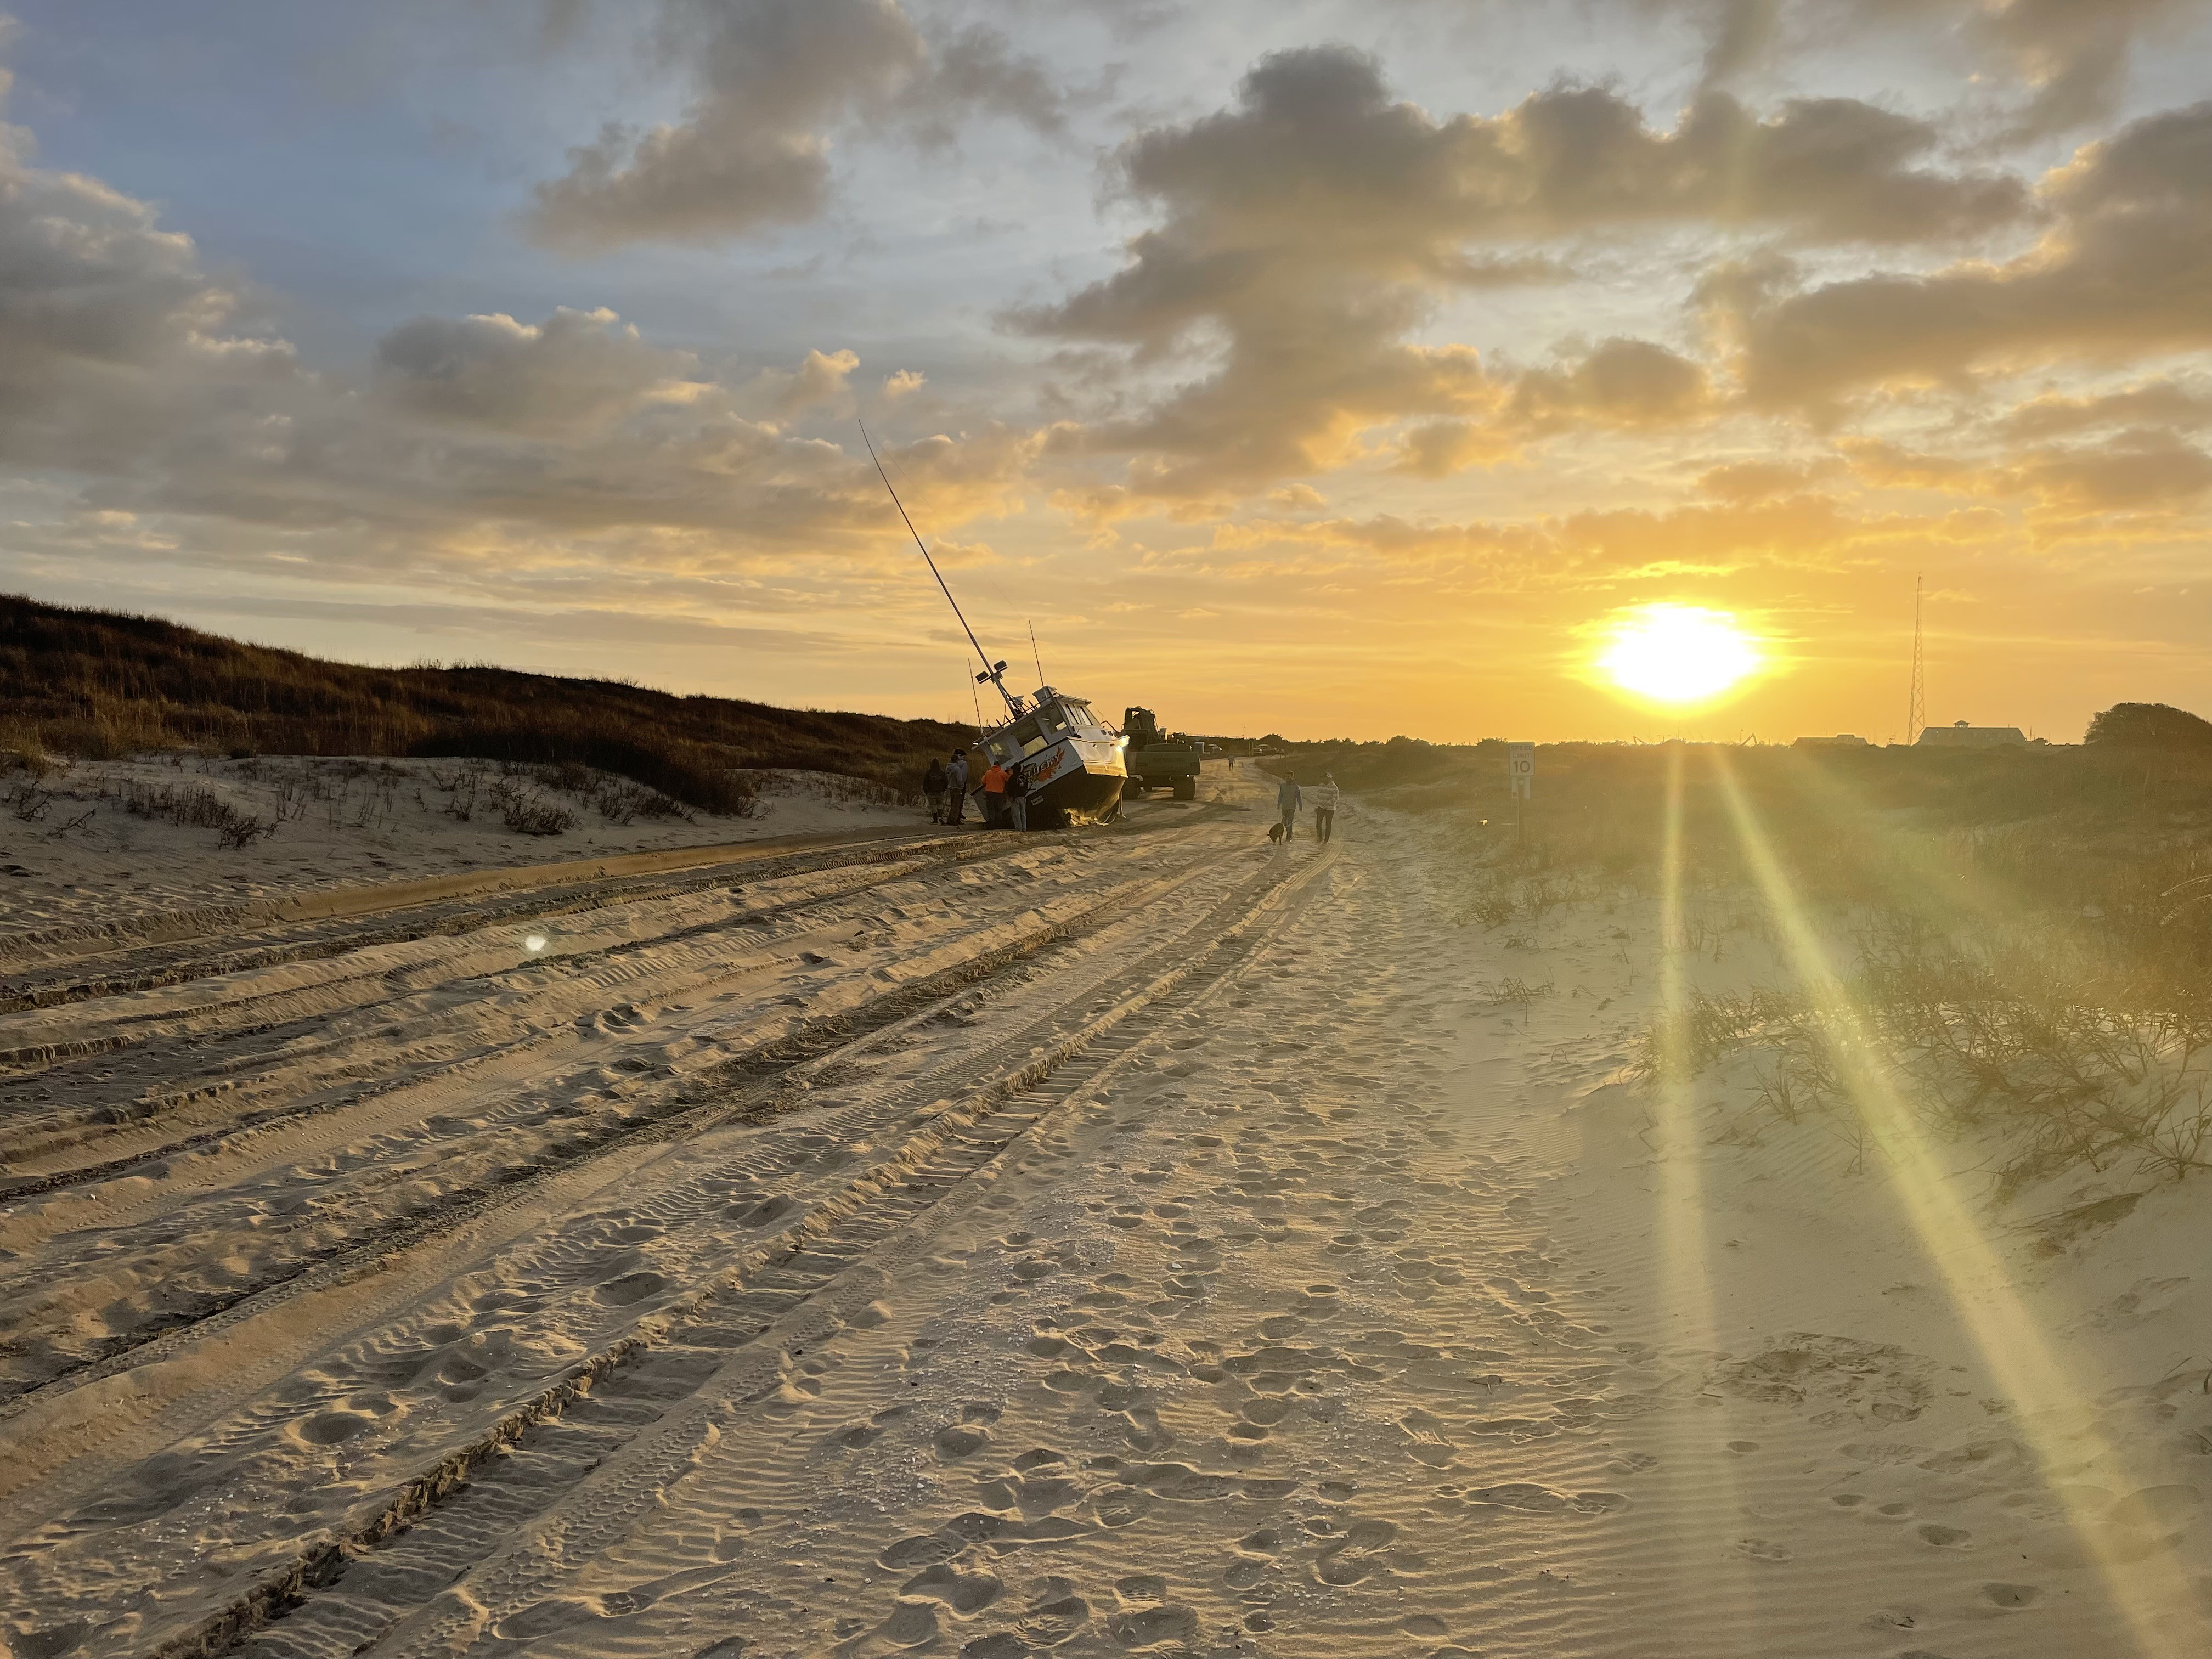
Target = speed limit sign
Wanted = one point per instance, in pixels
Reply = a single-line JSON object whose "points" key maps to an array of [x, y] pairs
{"points": [[1520, 767]]}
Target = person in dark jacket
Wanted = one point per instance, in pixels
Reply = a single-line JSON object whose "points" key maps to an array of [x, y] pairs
{"points": [[934, 784]]}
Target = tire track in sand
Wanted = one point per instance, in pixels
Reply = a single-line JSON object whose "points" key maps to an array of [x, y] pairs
{"points": [[827, 1278]]}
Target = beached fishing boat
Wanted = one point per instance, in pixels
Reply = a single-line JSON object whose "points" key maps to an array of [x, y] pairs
{"points": [[1072, 762]]}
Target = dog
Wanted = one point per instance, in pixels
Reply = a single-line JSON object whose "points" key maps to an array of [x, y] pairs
{"points": [[1275, 833]]}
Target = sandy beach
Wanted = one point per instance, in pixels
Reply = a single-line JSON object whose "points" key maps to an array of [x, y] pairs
{"points": [[1139, 1240]]}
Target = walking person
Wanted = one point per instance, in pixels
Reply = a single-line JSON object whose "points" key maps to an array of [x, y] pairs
{"points": [[934, 784], [956, 779], [1287, 800], [1324, 807], [994, 797]]}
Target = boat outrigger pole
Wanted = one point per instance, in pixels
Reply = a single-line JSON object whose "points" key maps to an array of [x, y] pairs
{"points": [[993, 673]]}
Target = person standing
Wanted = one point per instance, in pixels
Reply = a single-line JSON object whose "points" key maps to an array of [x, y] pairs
{"points": [[1287, 800], [956, 779], [934, 784], [1324, 807], [1018, 796], [994, 796]]}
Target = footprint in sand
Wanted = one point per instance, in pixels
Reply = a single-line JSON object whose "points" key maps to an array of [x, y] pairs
{"points": [[912, 1625], [1764, 1549], [922, 1550], [1153, 1626], [2011, 1595], [957, 1441], [1520, 1495], [1356, 1554], [1055, 1615], [1944, 1538], [965, 1593]]}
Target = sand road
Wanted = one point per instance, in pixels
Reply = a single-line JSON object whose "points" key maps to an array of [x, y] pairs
{"points": [[1147, 1242]]}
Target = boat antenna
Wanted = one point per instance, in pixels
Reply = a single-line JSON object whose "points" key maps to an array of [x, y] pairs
{"points": [[995, 673], [1033, 657]]}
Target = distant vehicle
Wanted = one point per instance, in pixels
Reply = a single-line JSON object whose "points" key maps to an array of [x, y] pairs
{"points": [[1157, 761]]}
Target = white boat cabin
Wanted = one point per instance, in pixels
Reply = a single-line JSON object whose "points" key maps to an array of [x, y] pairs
{"points": [[1051, 718]]}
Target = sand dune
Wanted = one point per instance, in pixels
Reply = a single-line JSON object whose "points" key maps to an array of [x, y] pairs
{"points": [[1146, 1241]]}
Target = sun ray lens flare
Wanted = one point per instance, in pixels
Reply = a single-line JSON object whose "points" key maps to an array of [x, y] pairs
{"points": [[1677, 653], [2054, 1411]]}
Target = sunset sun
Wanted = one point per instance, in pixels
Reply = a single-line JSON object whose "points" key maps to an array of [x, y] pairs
{"points": [[1677, 653]]}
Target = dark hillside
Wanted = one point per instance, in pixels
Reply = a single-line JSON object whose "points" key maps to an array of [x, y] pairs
{"points": [[100, 685]]}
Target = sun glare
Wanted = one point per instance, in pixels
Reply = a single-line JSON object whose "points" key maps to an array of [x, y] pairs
{"points": [[1677, 653]]}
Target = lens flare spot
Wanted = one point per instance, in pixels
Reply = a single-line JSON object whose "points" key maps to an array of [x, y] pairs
{"points": [[1677, 653], [534, 943]]}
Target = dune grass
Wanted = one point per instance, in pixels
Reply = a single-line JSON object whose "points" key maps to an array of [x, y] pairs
{"points": [[2023, 936], [101, 685]]}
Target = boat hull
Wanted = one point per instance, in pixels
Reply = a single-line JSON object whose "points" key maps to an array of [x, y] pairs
{"points": [[1075, 781], [1078, 796]]}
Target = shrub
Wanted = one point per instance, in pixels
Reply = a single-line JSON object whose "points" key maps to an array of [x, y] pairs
{"points": [[2149, 726], [104, 685]]}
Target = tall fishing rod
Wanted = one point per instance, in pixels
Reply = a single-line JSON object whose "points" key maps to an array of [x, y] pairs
{"points": [[995, 673]]}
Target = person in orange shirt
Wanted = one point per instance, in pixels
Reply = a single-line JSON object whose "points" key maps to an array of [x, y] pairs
{"points": [[994, 795]]}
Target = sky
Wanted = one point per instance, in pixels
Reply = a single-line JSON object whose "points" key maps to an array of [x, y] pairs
{"points": [[1328, 369]]}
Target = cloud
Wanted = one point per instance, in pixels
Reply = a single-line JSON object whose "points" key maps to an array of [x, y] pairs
{"points": [[2072, 57], [2069, 58], [776, 80], [2162, 402], [109, 328], [819, 380], [2135, 471], [1437, 449], [1761, 481], [129, 375], [1306, 231], [2126, 271], [1604, 550], [1623, 383], [569, 374]]}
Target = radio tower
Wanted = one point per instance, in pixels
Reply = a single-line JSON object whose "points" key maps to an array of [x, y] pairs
{"points": [[1915, 709]]}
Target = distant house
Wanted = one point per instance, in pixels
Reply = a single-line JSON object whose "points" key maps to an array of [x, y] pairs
{"points": [[1841, 740], [1963, 736]]}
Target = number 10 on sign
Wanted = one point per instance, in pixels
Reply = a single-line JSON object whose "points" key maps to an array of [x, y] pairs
{"points": [[1520, 768]]}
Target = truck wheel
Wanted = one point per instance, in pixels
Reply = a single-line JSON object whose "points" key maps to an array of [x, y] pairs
{"points": [[1186, 789]]}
